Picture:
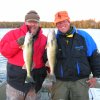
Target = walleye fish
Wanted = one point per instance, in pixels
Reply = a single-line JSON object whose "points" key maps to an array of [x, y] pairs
{"points": [[27, 55], [51, 52]]}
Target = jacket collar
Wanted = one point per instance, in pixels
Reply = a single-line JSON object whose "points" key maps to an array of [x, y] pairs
{"points": [[72, 31], [24, 28]]}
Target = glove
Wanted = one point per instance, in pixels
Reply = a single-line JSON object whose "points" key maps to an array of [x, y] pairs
{"points": [[92, 82], [20, 40]]}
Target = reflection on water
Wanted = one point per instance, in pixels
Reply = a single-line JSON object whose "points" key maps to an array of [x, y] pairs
{"points": [[3, 62]]}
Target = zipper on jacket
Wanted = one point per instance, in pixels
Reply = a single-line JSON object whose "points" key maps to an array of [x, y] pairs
{"points": [[61, 71], [78, 68]]}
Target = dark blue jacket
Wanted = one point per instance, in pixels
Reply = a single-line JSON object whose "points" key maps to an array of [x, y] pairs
{"points": [[77, 56]]}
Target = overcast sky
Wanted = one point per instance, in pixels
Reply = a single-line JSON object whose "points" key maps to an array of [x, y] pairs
{"points": [[15, 10]]}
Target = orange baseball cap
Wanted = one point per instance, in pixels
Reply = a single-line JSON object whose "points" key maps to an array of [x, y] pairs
{"points": [[60, 16]]}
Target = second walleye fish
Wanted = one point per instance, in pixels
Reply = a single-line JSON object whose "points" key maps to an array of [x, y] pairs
{"points": [[51, 53], [27, 55]]}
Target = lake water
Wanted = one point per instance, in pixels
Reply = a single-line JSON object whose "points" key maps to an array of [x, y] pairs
{"points": [[3, 62], [95, 33]]}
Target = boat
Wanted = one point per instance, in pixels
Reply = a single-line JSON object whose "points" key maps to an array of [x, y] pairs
{"points": [[43, 94]]}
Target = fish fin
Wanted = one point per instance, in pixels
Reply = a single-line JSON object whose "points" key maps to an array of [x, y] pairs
{"points": [[22, 46], [46, 47], [24, 66], [29, 79], [52, 42]]}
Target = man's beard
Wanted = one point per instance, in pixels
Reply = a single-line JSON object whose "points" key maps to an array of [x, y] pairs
{"points": [[33, 30]]}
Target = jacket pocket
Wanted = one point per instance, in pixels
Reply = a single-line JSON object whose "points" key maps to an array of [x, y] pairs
{"points": [[83, 69]]}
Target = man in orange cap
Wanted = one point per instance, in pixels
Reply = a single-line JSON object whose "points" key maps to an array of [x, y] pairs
{"points": [[77, 57]]}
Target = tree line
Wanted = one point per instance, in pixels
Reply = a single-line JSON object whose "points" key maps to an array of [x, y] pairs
{"points": [[79, 24]]}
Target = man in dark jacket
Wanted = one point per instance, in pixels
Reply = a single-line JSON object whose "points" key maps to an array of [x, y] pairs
{"points": [[77, 57], [10, 47]]}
